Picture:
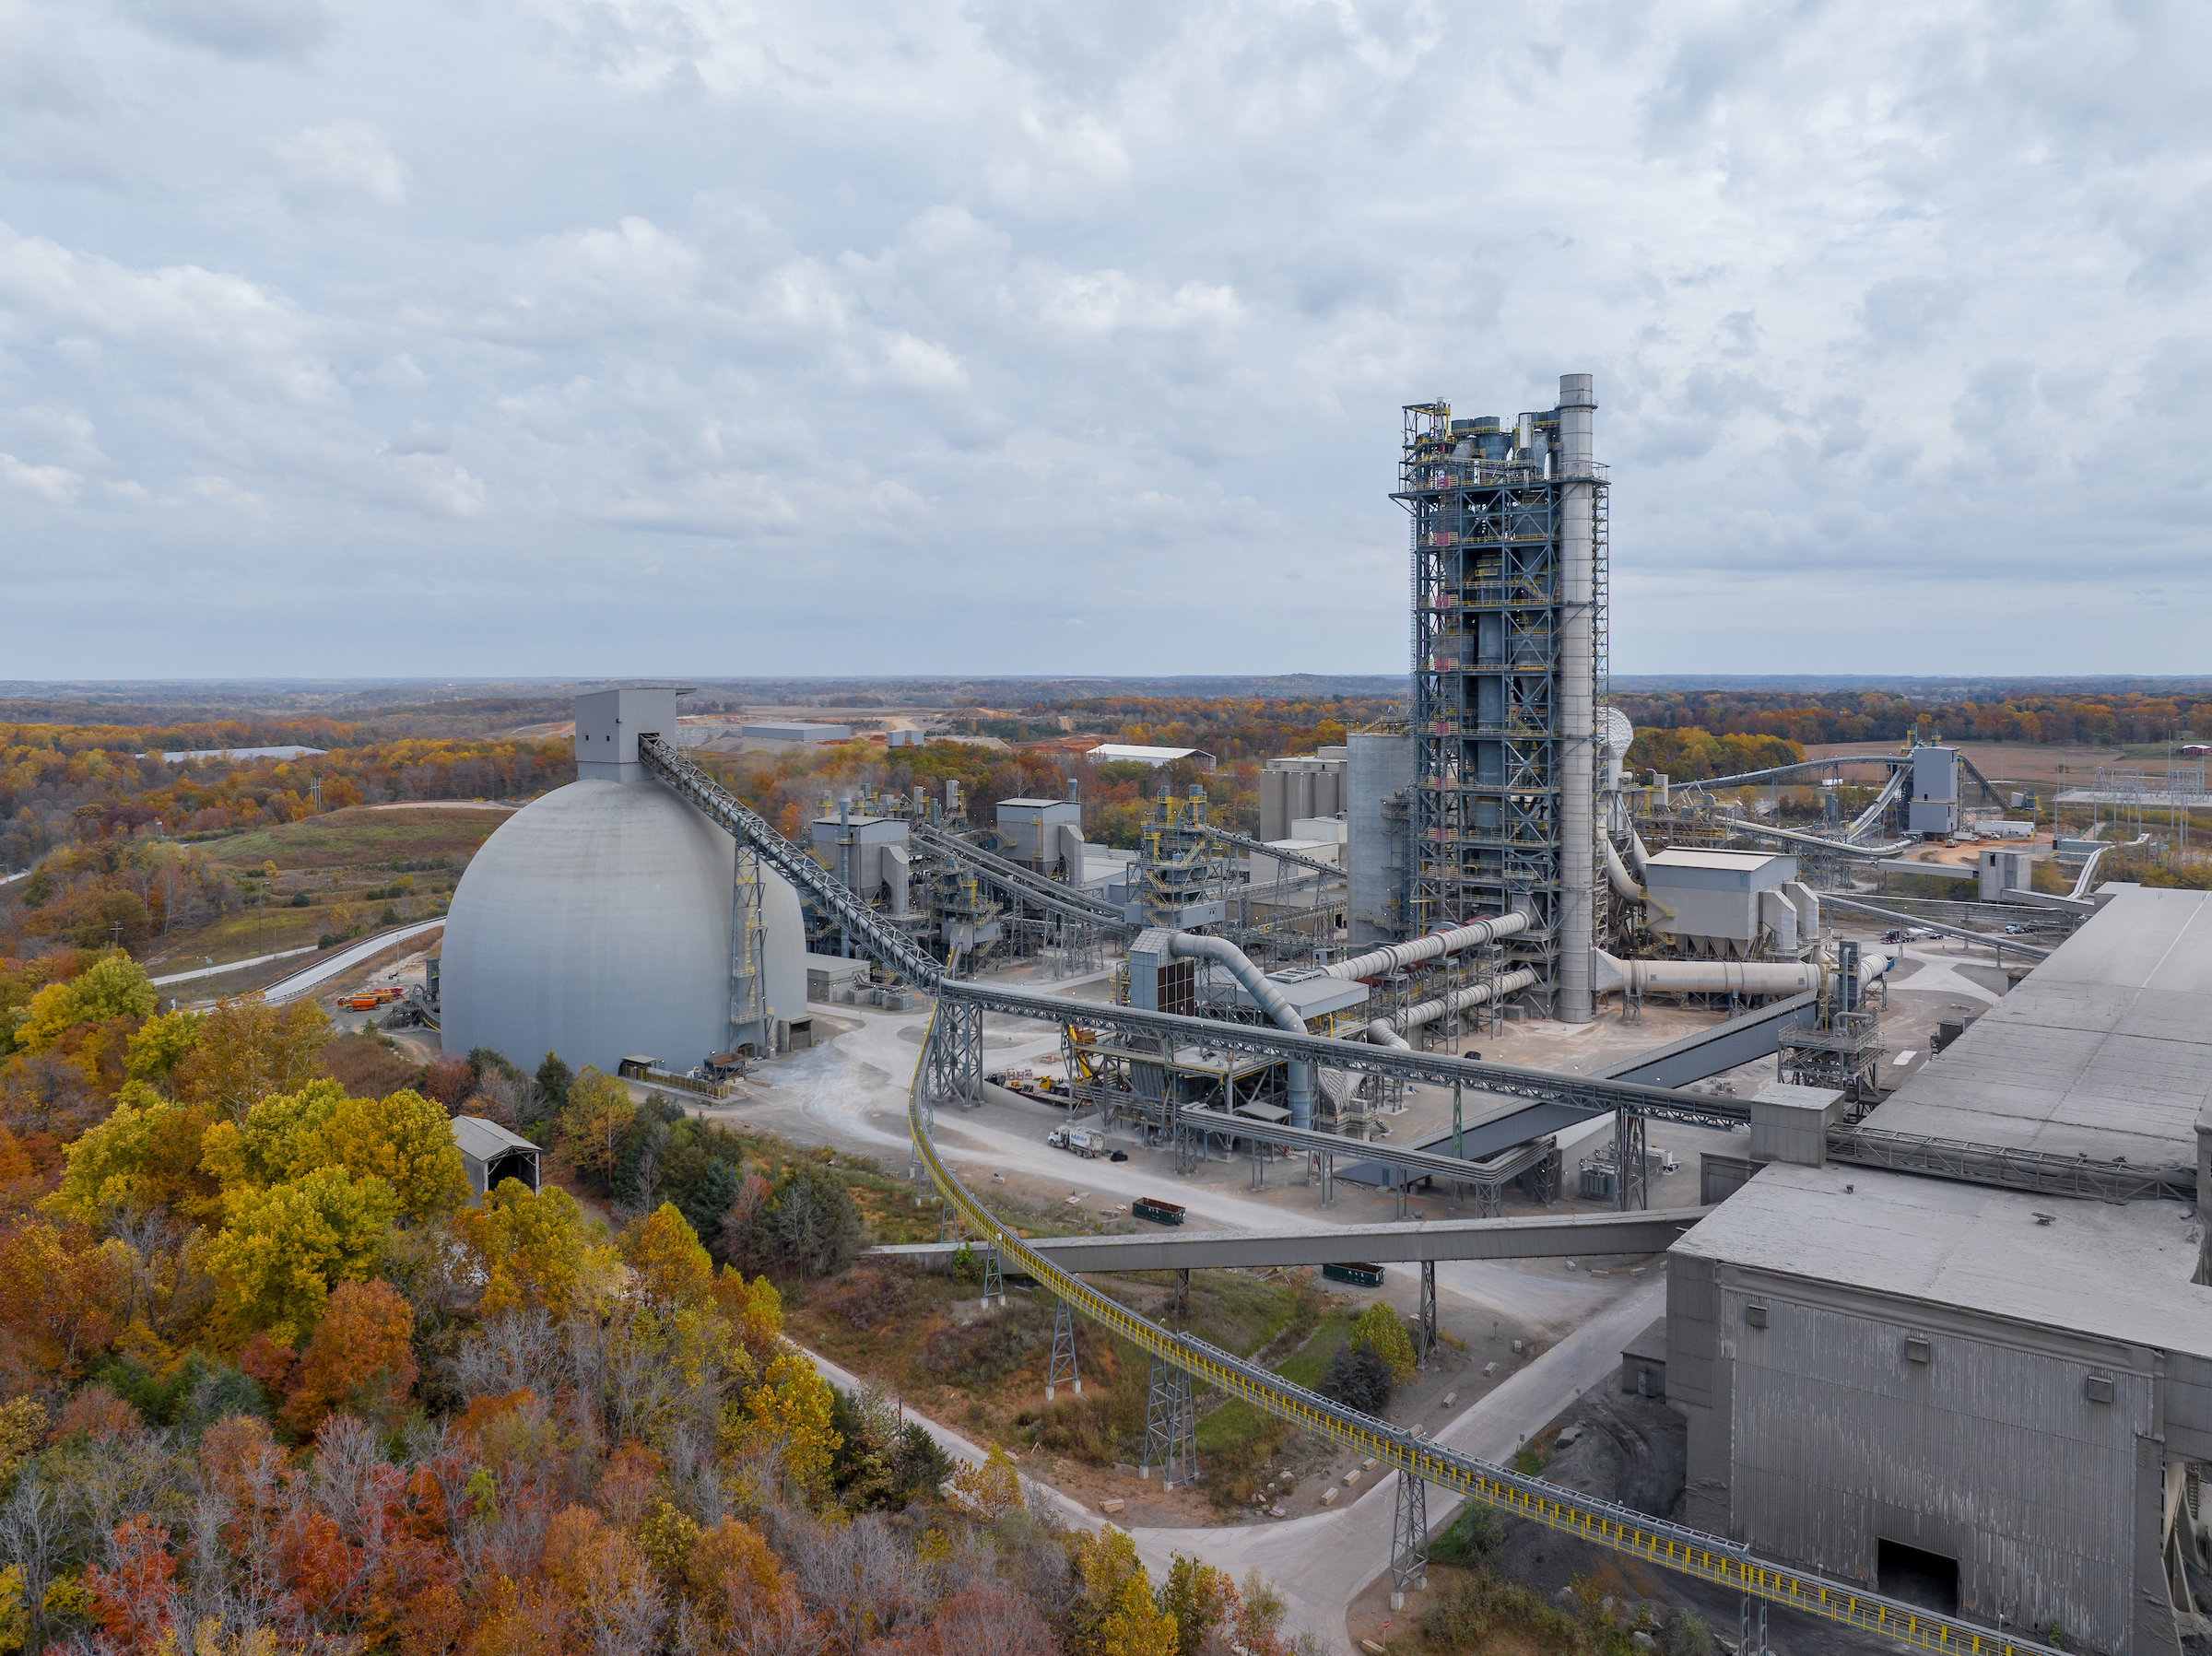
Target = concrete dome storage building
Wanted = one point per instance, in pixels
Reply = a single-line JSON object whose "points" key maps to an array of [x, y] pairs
{"points": [[598, 921]]}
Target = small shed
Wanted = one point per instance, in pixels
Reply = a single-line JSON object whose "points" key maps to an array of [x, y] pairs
{"points": [[491, 1153]]}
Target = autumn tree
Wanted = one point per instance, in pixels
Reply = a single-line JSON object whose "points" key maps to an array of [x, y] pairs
{"points": [[668, 1268], [361, 1356], [1114, 1613], [594, 1121], [534, 1249], [247, 1049], [114, 986], [1382, 1330], [282, 1248]]}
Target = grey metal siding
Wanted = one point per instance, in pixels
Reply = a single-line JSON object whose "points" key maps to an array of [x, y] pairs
{"points": [[1988, 1453]]}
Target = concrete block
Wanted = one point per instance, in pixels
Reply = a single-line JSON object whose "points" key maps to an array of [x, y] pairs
{"points": [[1369, 1464], [1112, 1505], [1451, 1398], [1328, 1496], [1353, 1477]]}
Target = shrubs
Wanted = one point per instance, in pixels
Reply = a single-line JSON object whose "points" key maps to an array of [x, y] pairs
{"points": [[1358, 1379]]}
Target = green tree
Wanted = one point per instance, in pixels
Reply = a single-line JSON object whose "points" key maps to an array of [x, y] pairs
{"points": [[553, 1080]]}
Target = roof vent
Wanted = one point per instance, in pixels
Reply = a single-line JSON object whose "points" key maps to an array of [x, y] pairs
{"points": [[1918, 1349], [1755, 1316], [2099, 1388]]}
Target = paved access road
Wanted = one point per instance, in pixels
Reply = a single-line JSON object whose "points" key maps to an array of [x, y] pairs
{"points": [[1324, 1560]]}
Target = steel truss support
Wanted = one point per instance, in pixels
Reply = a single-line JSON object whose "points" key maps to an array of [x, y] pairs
{"points": [[1062, 1364], [956, 1055], [1170, 1427], [1744, 1645], [1408, 1539], [994, 1281], [1424, 1343], [1628, 1161]]}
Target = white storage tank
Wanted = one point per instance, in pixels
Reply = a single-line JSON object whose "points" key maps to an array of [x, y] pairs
{"points": [[596, 921]]}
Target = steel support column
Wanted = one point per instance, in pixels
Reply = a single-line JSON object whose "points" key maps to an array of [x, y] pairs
{"points": [[1170, 1427], [1062, 1364], [1408, 1539]]}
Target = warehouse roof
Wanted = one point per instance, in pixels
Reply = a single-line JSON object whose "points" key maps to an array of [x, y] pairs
{"points": [[1149, 755], [2103, 1050], [2118, 1271]]}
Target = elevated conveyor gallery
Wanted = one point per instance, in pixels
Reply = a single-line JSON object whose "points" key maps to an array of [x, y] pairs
{"points": [[940, 1073]]}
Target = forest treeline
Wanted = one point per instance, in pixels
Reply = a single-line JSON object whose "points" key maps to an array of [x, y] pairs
{"points": [[1877, 716], [273, 1380], [55, 787]]}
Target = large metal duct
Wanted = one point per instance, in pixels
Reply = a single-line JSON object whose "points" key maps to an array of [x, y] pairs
{"points": [[1389, 959], [1722, 976], [1268, 998], [1385, 1030], [1578, 702]]}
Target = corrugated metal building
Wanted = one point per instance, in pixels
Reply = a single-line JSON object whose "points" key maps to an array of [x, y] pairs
{"points": [[1889, 1375]]}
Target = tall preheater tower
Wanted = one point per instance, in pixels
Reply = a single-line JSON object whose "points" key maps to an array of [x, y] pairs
{"points": [[1509, 668]]}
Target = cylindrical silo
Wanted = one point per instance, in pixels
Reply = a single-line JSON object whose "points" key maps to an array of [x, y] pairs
{"points": [[1380, 771]]}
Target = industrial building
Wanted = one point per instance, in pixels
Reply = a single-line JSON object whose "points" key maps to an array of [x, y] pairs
{"points": [[795, 730], [1115, 752], [2007, 1392]]}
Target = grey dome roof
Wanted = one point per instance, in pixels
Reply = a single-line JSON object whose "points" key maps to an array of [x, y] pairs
{"points": [[595, 923]]}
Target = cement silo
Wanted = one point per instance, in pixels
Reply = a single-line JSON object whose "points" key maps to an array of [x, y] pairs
{"points": [[598, 921]]}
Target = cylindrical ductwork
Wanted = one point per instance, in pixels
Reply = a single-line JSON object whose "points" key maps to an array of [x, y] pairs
{"points": [[1375, 963], [1638, 857], [1385, 1030], [1616, 872], [1578, 702], [1268, 998], [1705, 977]]}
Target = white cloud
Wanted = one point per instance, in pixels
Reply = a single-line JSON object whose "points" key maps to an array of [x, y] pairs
{"points": [[57, 484], [221, 491], [342, 158], [1879, 300]]}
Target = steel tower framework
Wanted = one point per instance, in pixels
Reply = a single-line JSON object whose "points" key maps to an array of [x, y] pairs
{"points": [[1509, 533]]}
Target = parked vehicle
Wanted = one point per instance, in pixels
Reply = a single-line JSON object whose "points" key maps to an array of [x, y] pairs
{"points": [[1077, 1141]]}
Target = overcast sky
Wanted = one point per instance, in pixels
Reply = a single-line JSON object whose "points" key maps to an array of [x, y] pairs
{"points": [[606, 336]]}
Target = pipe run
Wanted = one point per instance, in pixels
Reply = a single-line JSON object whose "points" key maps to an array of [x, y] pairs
{"points": [[1722, 976], [1393, 956], [1269, 999], [1624, 883], [1383, 1031]]}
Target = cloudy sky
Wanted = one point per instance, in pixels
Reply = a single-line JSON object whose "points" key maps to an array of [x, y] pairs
{"points": [[602, 336]]}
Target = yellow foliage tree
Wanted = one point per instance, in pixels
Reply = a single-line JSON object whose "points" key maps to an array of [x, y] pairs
{"points": [[1379, 1326], [161, 1044], [102, 1169], [668, 1268], [595, 1120], [281, 1249], [113, 986], [1116, 1615], [534, 1249], [791, 1406], [990, 1484], [404, 1140], [755, 1311], [276, 1138]]}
